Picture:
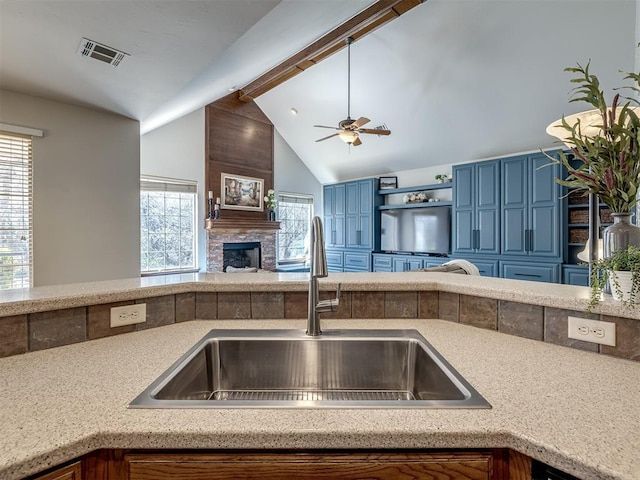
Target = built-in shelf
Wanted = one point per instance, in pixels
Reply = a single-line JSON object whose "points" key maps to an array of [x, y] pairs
{"points": [[419, 188], [416, 205]]}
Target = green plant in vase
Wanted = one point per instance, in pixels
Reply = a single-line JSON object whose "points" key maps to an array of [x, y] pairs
{"points": [[271, 204], [605, 143], [622, 272]]}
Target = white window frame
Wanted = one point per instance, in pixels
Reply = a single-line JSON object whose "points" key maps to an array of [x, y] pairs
{"points": [[300, 198], [150, 184], [16, 206]]}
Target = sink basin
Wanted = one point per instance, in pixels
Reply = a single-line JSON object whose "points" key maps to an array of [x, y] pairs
{"points": [[286, 368]]}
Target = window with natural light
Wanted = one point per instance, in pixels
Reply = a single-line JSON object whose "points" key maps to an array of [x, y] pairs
{"points": [[167, 225], [294, 213], [16, 211]]}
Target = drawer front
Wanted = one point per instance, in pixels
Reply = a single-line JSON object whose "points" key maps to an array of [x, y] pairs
{"points": [[357, 260], [575, 276], [335, 259], [535, 273], [382, 261]]}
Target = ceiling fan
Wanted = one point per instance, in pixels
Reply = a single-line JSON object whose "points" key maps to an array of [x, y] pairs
{"points": [[349, 130]]}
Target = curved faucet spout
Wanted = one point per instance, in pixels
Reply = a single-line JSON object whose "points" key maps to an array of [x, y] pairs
{"points": [[318, 270]]}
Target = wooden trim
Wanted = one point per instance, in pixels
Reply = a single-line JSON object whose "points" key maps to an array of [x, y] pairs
{"points": [[376, 15], [238, 224]]}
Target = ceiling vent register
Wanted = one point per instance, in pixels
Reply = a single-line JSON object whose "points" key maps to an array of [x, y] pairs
{"points": [[99, 51]]}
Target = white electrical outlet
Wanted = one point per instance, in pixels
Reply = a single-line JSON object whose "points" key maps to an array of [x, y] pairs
{"points": [[128, 315], [593, 331]]}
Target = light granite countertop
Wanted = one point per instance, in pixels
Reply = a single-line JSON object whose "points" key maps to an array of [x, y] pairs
{"points": [[39, 299], [575, 410]]}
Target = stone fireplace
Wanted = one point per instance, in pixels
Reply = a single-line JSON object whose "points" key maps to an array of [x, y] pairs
{"points": [[262, 234], [241, 255]]}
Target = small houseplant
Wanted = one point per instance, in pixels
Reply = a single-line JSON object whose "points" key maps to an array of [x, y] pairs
{"points": [[622, 271], [270, 202], [442, 178]]}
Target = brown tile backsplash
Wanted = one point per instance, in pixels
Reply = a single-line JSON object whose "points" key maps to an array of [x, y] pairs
{"points": [[14, 335], [521, 319], [627, 338], [556, 328], [295, 304], [206, 306], [449, 306], [37, 331], [367, 305], [428, 304], [99, 321], [57, 328], [234, 305], [401, 305], [185, 307], [160, 311], [479, 312], [267, 305]]}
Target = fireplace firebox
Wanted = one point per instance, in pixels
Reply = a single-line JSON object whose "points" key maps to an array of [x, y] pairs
{"points": [[241, 255]]}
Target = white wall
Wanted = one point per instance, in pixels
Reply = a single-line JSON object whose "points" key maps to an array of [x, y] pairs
{"points": [[85, 190], [176, 150], [291, 175]]}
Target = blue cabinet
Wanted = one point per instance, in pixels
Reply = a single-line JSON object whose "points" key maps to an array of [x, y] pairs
{"points": [[575, 275], [351, 224], [334, 215], [536, 272], [476, 208], [360, 206], [531, 207]]}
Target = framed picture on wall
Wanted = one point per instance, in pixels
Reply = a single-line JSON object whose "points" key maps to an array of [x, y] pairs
{"points": [[241, 193], [387, 183]]}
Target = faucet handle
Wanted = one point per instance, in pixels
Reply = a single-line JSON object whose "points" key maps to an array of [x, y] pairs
{"points": [[330, 305]]}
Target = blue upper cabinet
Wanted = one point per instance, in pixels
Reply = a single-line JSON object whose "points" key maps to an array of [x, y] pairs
{"points": [[361, 214], [531, 207], [476, 208], [334, 215]]}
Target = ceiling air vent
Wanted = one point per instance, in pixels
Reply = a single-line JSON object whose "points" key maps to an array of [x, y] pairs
{"points": [[99, 51]]}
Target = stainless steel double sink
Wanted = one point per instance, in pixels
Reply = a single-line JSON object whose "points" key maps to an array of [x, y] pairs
{"points": [[286, 368]]}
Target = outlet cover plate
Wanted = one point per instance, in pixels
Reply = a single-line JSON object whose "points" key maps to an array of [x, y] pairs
{"points": [[128, 315], [593, 331]]}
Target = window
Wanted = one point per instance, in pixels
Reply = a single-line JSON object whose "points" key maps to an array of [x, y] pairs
{"points": [[295, 213], [167, 225], [16, 212]]}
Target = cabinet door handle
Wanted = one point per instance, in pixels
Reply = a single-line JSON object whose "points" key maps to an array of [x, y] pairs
{"points": [[526, 240], [531, 240], [333, 237], [476, 239], [530, 275], [358, 237]]}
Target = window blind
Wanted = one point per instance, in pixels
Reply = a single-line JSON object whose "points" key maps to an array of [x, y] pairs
{"points": [[161, 184], [295, 198], [16, 211]]}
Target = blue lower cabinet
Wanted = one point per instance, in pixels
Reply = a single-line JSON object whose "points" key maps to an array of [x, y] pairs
{"points": [[535, 272], [382, 262], [335, 260], [575, 275], [357, 262]]}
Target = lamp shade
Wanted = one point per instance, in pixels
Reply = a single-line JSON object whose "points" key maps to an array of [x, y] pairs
{"points": [[348, 136], [590, 124]]}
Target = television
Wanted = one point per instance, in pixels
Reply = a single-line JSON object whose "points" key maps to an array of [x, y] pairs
{"points": [[418, 230]]}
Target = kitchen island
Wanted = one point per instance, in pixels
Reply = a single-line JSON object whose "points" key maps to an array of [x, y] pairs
{"points": [[575, 410]]}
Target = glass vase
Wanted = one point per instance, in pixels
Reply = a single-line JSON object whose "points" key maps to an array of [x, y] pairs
{"points": [[621, 234], [272, 215]]}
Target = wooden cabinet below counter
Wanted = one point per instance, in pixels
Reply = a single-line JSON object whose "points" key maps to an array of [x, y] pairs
{"points": [[483, 464]]}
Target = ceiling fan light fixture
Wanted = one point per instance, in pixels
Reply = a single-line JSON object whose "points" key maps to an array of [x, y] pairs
{"points": [[348, 136]]}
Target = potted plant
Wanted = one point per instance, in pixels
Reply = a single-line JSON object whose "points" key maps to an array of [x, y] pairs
{"points": [[270, 202], [622, 272], [442, 178], [605, 142]]}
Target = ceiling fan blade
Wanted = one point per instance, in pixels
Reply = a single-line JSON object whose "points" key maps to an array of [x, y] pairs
{"points": [[360, 122], [324, 126], [356, 142], [374, 131], [324, 138]]}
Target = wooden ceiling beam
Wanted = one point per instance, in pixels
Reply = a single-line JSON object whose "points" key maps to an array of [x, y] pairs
{"points": [[365, 22]]}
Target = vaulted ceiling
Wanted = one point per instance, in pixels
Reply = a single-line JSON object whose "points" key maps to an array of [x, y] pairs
{"points": [[454, 80]]}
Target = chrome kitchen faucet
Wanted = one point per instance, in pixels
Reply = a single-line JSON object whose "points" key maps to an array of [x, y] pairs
{"points": [[318, 270]]}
